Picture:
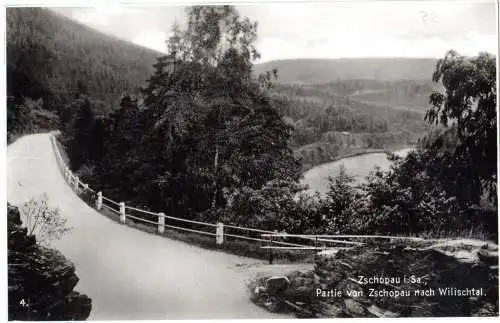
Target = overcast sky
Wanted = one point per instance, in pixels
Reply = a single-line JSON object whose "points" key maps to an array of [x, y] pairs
{"points": [[325, 30]]}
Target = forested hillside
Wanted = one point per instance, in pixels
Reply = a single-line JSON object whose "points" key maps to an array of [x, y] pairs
{"points": [[54, 58]]}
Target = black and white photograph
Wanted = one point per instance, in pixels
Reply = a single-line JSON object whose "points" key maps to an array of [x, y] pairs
{"points": [[251, 160]]}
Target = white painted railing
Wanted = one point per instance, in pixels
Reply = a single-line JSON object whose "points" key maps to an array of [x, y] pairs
{"points": [[120, 208]]}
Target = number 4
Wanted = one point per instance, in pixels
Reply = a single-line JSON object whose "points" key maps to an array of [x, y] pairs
{"points": [[23, 303]]}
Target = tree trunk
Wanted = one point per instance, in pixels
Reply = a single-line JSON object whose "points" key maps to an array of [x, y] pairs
{"points": [[214, 183]]}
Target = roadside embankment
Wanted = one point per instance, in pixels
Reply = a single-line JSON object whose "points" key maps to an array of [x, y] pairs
{"points": [[455, 278]]}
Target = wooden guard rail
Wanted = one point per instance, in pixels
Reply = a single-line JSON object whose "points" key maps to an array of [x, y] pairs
{"points": [[272, 239], [124, 212]]}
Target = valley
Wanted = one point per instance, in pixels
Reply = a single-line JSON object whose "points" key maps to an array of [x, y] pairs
{"points": [[152, 185]]}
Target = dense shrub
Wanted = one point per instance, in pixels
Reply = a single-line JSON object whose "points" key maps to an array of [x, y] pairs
{"points": [[278, 205], [340, 209], [44, 221]]}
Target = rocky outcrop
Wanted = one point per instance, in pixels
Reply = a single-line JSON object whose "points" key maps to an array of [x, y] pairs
{"points": [[392, 281], [40, 280]]}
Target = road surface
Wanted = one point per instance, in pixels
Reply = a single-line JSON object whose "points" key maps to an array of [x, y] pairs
{"points": [[130, 274]]}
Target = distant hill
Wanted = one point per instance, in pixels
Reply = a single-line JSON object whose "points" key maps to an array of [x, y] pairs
{"points": [[318, 71], [52, 57]]}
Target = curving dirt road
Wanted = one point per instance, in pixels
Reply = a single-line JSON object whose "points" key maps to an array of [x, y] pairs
{"points": [[130, 274]]}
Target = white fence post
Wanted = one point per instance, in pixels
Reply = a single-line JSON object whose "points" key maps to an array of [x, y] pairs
{"points": [[161, 223], [77, 180], [271, 254], [219, 233], [122, 212], [66, 174], [99, 201]]}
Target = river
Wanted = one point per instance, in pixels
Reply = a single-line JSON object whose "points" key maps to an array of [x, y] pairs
{"points": [[357, 166]]}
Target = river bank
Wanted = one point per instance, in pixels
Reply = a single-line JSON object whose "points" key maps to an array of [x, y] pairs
{"points": [[357, 152], [357, 164]]}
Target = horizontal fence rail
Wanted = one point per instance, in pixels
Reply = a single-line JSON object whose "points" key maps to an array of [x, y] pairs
{"points": [[110, 201], [111, 209], [272, 239], [340, 236], [249, 229]]}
